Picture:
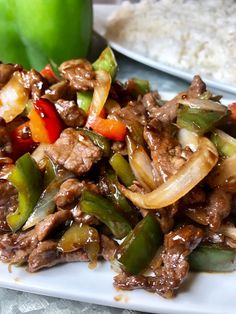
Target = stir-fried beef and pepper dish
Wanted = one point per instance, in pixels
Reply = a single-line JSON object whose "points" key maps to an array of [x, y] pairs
{"points": [[94, 169]]}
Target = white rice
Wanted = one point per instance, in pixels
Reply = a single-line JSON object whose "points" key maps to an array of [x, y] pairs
{"points": [[195, 35]]}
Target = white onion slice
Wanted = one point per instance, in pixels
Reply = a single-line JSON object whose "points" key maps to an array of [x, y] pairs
{"points": [[189, 175], [188, 138], [13, 98], [228, 231], [204, 104], [100, 94]]}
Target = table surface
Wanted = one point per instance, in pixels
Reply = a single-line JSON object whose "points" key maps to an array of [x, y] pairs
{"points": [[16, 302]]}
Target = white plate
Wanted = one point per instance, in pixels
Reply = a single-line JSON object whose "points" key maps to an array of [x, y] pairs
{"points": [[102, 11], [200, 294]]}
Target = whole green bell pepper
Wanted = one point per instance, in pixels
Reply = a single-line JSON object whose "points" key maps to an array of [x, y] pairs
{"points": [[27, 179], [35, 32], [11, 49]]}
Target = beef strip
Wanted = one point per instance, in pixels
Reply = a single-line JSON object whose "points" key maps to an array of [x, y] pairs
{"points": [[51, 222], [166, 217], [167, 154], [68, 197], [8, 203], [119, 147], [6, 71], [197, 87], [210, 209], [108, 247], [79, 73], [69, 193], [74, 151], [60, 90], [177, 247], [82, 218], [5, 141], [34, 81], [46, 255], [219, 208], [16, 247], [168, 112], [134, 111], [70, 113]]}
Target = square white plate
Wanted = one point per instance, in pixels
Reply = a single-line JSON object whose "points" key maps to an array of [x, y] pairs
{"points": [[202, 293]]}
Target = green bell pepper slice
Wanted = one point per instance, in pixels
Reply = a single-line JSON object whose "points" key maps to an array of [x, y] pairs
{"points": [[46, 203], [225, 144], [199, 120], [50, 172], [94, 204], [99, 141], [138, 87], [27, 179], [35, 32], [214, 258], [107, 62], [122, 168], [140, 246], [117, 198], [84, 99], [78, 236]]}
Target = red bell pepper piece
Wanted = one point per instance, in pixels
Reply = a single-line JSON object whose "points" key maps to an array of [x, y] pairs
{"points": [[45, 123], [48, 73], [22, 141], [232, 108], [112, 129]]}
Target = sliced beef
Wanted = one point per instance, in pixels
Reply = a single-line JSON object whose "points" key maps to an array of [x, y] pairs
{"points": [[134, 111], [51, 222], [70, 113], [34, 81], [150, 102], [46, 255], [108, 247], [177, 247], [210, 209], [82, 218], [119, 147], [79, 73], [166, 217], [69, 193], [74, 151], [219, 208], [167, 154], [5, 141], [6, 71], [8, 203], [168, 112], [60, 90], [71, 190], [197, 87], [16, 247]]}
